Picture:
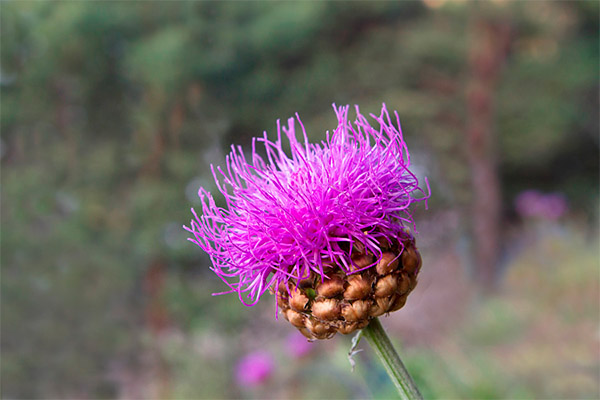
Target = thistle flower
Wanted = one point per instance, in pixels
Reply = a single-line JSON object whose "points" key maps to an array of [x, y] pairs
{"points": [[534, 204], [327, 226], [254, 369], [297, 346]]}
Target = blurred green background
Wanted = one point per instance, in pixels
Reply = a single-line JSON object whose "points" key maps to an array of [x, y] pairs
{"points": [[112, 112]]}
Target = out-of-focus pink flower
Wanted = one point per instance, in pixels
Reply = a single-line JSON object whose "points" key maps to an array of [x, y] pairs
{"points": [[298, 346], [526, 203], [254, 369], [534, 204]]}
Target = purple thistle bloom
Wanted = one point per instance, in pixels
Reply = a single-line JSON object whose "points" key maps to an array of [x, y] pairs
{"points": [[288, 215], [297, 345], [534, 204], [254, 369]]}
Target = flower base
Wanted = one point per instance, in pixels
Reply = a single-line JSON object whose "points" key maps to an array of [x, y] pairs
{"points": [[344, 303]]}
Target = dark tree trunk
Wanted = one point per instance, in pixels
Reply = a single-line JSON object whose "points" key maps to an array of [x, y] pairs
{"points": [[489, 46], [157, 322]]}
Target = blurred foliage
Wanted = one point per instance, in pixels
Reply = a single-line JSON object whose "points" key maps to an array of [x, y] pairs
{"points": [[112, 112], [518, 343], [536, 338]]}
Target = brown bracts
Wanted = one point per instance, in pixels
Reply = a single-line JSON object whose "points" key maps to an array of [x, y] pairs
{"points": [[344, 303]]}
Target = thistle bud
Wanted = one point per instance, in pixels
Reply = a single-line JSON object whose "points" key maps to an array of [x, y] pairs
{"points": [[295, 318], [385, 303], [398, 303], [376, 310], [404, 284], [327, 309], [298, 300], [359, 287], [347, 303], [282, 288], [307, 282], [356, 311], [386, 286], [361, 261], [358, 248], [331, 287], [318, 329], [347, 327], [384, 243], [411, 260], [387, 264]]}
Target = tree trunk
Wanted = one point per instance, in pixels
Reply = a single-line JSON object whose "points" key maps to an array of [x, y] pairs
{"points": [[489, 47], [157, 322]]}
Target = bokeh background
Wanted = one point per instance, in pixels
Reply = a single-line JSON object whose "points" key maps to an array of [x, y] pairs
{"points": [[112, 112]]}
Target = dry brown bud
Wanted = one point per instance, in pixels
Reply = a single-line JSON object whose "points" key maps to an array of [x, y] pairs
{"points": [[282, 298], [385, 303], [384, 244], [321, 331], [328, 309], [356, 311], [358, 288], [308, 282], [343, 301], [376, 311], [298, 300], [361, 261], [363, 324], [387, 264], [386, 286], [295, 318], [347, 328], [398, 303], [413, 284], [411, 259], [329, 265], [306, 333], [358, 247], [331, 287], [282, 288], [404, 284]]}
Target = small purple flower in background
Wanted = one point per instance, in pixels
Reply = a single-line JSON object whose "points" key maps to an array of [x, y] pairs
{"points": [[327, 227], [254, 369], [297, 346], [534, 204]]}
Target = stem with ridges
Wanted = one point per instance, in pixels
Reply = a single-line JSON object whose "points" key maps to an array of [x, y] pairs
{"points": [[400, 377]]}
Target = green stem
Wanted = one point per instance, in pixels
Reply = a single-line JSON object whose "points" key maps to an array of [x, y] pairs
{"points": [[379, 340]]}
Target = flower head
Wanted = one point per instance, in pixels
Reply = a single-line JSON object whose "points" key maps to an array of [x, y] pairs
{"points": [[254, 369], [291, 215], [534, 204], [297, 346]]}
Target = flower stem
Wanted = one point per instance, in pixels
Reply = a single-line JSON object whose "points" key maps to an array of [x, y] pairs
{"points": [[380, 342]]}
